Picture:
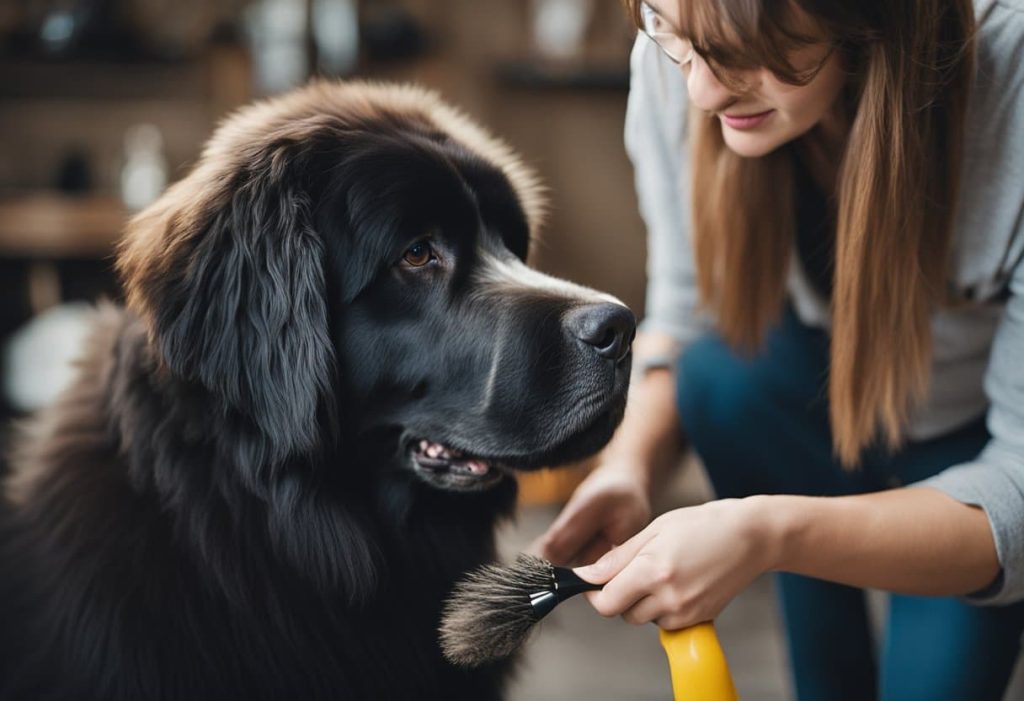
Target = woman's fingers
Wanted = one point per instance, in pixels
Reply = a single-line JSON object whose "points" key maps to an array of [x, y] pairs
{"points": [[643, 611], [675, 621], [608, 507], [669, 611], [662, 575], [571, 532], [594, 550], [591, 551], [623, 591], [622, 572]]}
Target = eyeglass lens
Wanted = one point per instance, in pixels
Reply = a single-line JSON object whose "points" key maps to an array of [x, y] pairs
{"points": [[665, 35]]}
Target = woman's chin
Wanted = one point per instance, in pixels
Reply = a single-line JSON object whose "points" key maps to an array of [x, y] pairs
{"points": [[750, 144]]}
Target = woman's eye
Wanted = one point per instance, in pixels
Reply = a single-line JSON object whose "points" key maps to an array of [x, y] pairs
{"points": [[418, 254], [653, 22]]}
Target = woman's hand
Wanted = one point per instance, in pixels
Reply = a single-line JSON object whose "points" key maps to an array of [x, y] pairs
{"points": [[608, 507], [689, 563], [685, 566]]}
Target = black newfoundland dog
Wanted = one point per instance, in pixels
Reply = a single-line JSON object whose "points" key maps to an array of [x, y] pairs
{"points": [[300, 432]]}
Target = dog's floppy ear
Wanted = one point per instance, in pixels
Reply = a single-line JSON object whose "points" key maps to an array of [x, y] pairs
{"points": [[228, 269], [229, 272]]}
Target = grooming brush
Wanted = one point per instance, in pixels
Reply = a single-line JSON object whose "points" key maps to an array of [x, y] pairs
{"points": [[492, 611]]}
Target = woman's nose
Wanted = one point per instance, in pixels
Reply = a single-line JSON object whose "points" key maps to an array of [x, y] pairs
{"points": [[707, 93]]}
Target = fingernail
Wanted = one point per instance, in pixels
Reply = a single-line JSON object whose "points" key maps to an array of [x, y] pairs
{"points": [[590, 571]]}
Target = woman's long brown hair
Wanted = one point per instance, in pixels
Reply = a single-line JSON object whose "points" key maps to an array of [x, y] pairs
{"points": [[910, 64]]}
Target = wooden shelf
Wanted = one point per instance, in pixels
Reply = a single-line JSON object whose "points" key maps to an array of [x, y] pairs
{"points": [[101, 80], [52, 226]]}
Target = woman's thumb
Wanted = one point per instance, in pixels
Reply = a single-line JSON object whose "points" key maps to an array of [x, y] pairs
{"points": [[615, 560]]}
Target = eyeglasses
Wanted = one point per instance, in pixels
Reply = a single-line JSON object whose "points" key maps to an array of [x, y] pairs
{"points": [[667, 37], [680, 50]]}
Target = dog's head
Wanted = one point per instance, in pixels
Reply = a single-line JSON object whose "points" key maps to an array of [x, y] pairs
{"points": [[348, 260]]}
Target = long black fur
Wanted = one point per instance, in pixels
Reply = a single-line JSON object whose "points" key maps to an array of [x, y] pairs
{"points": [[223, 505]]}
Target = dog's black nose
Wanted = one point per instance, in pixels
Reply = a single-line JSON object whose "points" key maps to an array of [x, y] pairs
{"points": [[609, 328]]}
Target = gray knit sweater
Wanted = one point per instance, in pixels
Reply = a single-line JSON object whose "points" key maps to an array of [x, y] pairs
{"points": [[978, 349]]}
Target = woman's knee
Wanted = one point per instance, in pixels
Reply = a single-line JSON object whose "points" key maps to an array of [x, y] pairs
{"points": [[942, 648]]}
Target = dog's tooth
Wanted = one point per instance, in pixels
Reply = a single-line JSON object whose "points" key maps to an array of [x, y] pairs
{"points": [[478, 467], [423, 445]]}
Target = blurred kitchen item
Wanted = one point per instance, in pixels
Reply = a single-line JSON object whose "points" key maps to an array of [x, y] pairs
{"points": [[573, 44], [38, 359], [559, 27], [144, 173], [336, 36], [76, 29], [66, 26], [390, 32], [179, 29], [280, 46], [74, 173]]}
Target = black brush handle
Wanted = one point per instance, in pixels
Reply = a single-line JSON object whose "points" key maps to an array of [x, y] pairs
{"points": [[565, 584], [568, 583]]}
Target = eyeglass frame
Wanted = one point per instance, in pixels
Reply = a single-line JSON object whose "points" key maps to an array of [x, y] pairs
{"points": [[686, 57], [691, 51]]}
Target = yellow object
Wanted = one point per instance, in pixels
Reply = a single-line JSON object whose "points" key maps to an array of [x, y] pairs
{"points": [[699, 669], [551, 486]]}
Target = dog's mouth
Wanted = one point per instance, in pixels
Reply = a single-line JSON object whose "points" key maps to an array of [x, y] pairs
{"points": [[451, 468]]}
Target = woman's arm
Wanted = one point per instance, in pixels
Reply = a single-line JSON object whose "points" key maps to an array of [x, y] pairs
{"points": [[689, 563], [915, 540]]}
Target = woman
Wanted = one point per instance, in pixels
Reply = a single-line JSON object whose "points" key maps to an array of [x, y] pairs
{"points": [[834, 195]]}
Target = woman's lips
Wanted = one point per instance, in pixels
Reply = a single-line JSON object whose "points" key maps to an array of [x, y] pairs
{"points": [[746, 121]]}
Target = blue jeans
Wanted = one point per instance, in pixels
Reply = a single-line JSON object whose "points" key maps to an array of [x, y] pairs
{"points": [[760, 425]]}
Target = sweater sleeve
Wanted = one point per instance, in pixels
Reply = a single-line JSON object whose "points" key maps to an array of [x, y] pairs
{"points": [[655, 141], [994, 481]]}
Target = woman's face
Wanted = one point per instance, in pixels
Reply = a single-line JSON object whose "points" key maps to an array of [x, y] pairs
{"points": [[766, 112]]}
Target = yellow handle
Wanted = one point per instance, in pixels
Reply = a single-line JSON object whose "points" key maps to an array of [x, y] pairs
{"points": [[699, 669]]}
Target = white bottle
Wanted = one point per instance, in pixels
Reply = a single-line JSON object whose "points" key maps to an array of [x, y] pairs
{"points": [[560, 27], [336, 33], [277, 31], [144, 173]]}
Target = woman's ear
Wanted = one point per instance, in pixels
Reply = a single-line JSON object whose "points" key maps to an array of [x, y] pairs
{"points": [[231, 280]]}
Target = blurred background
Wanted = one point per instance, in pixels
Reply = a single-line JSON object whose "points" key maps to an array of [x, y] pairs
{"points": [[104, 102]]}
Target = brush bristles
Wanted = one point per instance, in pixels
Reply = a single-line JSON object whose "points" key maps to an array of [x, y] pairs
{"points": [[488, 615]]}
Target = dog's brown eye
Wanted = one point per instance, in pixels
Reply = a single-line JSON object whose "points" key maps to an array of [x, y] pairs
{"points": [[418, 254]]}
